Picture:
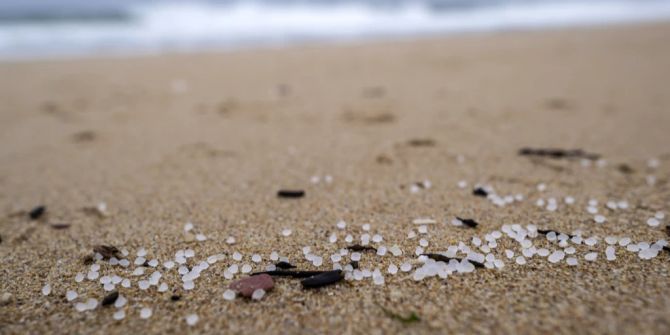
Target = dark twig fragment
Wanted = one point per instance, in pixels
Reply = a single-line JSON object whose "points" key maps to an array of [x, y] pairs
{"points": [[291, 193]]}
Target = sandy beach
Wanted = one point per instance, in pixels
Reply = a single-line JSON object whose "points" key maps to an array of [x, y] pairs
{"points": [[210, 138]]}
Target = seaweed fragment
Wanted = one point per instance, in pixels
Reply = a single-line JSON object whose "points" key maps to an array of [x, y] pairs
{"points": [[411, 318], [555, 153]]}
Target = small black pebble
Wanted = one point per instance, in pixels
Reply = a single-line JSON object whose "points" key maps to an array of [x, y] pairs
{"points": [[480, 192], [469, 222], [291, 193], [175, 297], [354, 264], [110, 298], [285, 265], [324, 279], [37, 212]]}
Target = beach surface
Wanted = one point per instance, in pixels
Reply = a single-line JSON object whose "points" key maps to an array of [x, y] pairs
{"points": [[210, 138]]}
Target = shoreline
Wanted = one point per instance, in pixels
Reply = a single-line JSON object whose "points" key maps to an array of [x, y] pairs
{"points": [[333, 43]]}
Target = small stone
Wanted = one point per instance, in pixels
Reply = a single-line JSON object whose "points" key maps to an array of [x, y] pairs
{"points": [[247, 286]]}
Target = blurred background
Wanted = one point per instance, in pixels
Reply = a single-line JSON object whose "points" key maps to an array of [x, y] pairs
{"points": [[47, 28]]}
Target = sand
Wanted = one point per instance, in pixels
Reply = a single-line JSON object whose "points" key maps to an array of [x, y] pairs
{"points": [[211, 137]]}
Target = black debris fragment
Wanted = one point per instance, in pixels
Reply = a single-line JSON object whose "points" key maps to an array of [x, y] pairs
{"points": [[107, 251], [421, 185], [288, 273], [557, 153], [110, 298], [37, 212], [285, 265], [625, 168], [88, 260], [547, 231], [438, 257], [323, 279], [480, 192], [175, 297], [443, 258], [358, 247], [291, 193], [60, 225], [468, 222], [421, 142]]}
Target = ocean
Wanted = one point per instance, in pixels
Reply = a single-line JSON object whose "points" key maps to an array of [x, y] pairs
{"points": [[51, 28]]}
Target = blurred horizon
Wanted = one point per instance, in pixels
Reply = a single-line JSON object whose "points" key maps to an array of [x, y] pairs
{"points": [[46, 28]]}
